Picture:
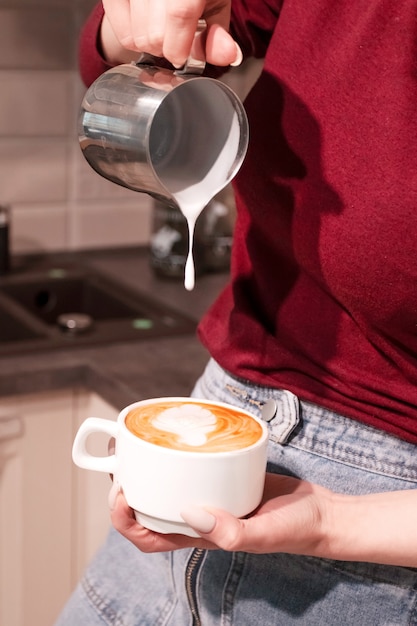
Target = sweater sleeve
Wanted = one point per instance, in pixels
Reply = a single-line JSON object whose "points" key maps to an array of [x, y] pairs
{"points": [[253, 23], [91, 62]]}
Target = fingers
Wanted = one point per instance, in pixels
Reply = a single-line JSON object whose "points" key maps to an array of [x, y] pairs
{"points": [[228, 532], [286, 512], [118, 22], [181, 25], [221, 49], [164, 28], [123, 520], [167, 28], [290, 519], [148, 19]]}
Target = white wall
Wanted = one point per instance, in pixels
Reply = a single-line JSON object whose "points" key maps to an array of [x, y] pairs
{"points": [[57, 201]]}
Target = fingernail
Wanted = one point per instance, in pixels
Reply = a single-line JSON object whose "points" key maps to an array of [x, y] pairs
{"points": [[239, 57], [202, 521], [113, 493]]}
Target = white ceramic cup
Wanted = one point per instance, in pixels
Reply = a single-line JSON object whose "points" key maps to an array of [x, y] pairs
{"points": [[159, 482]]}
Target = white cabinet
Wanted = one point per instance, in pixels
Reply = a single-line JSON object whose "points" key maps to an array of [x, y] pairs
{"points": [[53, 515]]}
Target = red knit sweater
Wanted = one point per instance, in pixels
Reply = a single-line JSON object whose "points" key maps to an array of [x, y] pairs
{"points": [[323, 295]]}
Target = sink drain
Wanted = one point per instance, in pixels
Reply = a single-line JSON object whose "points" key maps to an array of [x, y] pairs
{"points": [[74, 322]]}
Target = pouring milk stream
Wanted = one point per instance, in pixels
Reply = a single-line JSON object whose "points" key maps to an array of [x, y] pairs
{"points": [[193, 199], [177, 136]]}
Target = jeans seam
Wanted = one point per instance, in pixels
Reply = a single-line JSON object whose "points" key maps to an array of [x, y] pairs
{"points": [[243, 395], [351, 570], [413, 613], [109, 615], [106, 612], [353, 459], [231, 586]]}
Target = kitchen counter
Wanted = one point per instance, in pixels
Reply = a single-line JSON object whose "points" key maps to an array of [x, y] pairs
{"points": [[120, 372]]}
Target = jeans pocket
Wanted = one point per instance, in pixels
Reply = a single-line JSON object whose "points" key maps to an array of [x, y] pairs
{"points": [[404, 577]]}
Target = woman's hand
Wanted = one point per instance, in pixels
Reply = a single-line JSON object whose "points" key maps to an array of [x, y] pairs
{"points": [[296, 517], [167, 28], [291, 518]]}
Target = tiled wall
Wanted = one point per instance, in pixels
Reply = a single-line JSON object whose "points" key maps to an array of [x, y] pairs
{"points": [[57, 201]]}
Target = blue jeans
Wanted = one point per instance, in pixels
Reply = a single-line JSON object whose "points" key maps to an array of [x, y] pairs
{"points": [[123, 587]]}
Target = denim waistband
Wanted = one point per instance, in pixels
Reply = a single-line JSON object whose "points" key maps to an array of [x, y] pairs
{"points": [[312, 428]]}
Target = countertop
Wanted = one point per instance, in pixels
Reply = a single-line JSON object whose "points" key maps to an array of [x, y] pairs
{"points": [[120, 372]]}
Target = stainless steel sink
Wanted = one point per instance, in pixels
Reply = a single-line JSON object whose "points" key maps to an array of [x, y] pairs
{"points": [[12, 329], [73, 306]]}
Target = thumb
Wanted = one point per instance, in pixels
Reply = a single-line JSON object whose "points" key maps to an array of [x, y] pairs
{"points": [[217, 526], [221, 49]]}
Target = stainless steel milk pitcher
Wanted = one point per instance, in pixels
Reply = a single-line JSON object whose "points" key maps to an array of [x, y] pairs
{"points": [[163, 132]]}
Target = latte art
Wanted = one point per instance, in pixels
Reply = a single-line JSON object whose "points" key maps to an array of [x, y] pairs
{"points": [[193, 426], [190, 422]]}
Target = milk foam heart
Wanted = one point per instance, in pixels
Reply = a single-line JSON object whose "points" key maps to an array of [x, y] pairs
{"points": [[190, 422], [193, 426]]}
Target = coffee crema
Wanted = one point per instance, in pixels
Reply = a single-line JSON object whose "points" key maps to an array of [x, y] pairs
{"points": [[193, 426]]}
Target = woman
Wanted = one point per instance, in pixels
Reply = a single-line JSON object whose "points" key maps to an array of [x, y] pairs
{"points": [[318, 324]]}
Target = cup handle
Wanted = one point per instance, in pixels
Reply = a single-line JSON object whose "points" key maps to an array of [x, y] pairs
{"points": [[84, 459]]}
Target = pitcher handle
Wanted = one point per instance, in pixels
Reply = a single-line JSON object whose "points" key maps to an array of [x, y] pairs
{"points": [[191, 66]]}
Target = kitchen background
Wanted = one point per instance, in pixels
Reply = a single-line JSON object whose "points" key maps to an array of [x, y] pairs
{"points": [[57, 201]]}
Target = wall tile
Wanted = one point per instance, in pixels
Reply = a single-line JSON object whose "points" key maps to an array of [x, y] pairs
{"points": [[82, 8], [33, 170], [34, 103], [39, 38], [111, 224], [38, 228]]}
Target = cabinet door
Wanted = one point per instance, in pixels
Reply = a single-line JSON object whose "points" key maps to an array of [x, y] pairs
{"points": [[35, 510], [53, 515], [91, 518]]}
